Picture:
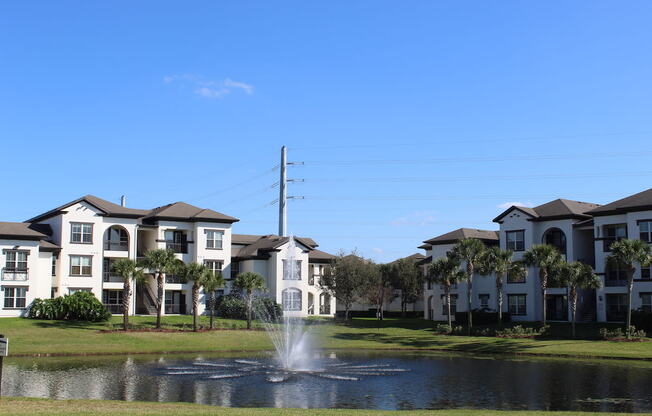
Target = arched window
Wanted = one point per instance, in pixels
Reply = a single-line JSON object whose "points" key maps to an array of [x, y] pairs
{"points": [[556, 238], [292, 299], [116, 238]]}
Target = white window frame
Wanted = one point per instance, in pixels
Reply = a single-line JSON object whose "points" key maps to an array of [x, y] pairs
{"points": [[211, 266], [286, 271], [291, 299], [78, 259], [517, 306], [514, 243], [645, 230], [212, 240], [484, 297], [85, 232], [15, 298]]}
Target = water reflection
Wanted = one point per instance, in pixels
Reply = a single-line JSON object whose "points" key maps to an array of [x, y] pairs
{"points": [[433, 381]]}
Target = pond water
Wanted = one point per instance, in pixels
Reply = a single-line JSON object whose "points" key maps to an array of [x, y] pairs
{"points": [[369, 380]]}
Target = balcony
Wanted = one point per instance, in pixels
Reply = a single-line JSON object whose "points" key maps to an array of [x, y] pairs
{"points": [[615, 282], [173, 308], [177, 247], [15, 275], [114, 245], [113, 308], [111, 277], [173, 279]]}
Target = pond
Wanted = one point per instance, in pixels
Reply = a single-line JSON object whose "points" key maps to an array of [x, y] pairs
{"points": [[369, 380]]}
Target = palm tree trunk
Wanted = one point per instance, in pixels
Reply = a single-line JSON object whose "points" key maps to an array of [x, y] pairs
{"points": [[469, 287], [499, 297], [195, 305], [544, 287], [630, 286], [249, 299], [211, 305], [573, 299], [126, 300], [159, 299], [448, 306]]}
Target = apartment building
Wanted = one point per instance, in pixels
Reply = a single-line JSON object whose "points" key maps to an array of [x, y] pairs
{"points": [[581, 231], [72, 247]]}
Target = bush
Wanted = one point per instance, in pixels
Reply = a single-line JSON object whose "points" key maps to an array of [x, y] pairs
{"points": [[442, 329], [80, 306], [481, 317], [519, 331], [233, 307], [619, 334]]}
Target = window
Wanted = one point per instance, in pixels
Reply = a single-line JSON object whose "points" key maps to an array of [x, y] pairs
{"points": [[515, 240], [73, 290], [291, 299], [214, 239], [645, 229], [484, 301], [112, 300], [646, 302], [80, 265], [176, 241], [292, 273], [616, 307], [646, 272], [556, 238], [81, 233], [54, 265], [613, 233], [214, 265], [235, 269], [16, 260], [615, 277], [516, 304], [444, 309], [515, 279], [15, 297], [53, 292]]}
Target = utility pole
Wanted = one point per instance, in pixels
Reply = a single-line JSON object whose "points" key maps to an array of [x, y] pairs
{"points": [[283, 193], [283, 196]]}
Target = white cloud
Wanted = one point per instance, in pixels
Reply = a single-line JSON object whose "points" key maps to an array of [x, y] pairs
{"points": [[378, 250], [506, 205], [209, 88], [419, 218]]}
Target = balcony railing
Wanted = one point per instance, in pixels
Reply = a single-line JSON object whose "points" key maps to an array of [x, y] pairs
{"points": [[172, 308], [116, 245], [111, 277], [17, 275], [173, 279], [177, 247], [615, 283], [113, 308]]}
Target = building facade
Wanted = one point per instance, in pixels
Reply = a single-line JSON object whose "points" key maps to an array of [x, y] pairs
{"points": [[71, 248]]}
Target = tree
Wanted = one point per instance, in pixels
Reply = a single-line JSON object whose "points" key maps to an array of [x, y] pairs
{"points": [[160, 262], [377, 286], [248, 282], [577, 275], [548, 260], [128, 270], [408, 278], [195, 273], [345, 279], [624, 255], [211, 283], [499, 262], [445, 271], [469, 251]]}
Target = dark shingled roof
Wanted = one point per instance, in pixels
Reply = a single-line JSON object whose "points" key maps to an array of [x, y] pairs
{"points": [[463, 233], [425, 260], [19, 231], [259, 246], [425, 246], [318, 256], [557, 209], [641, 201], [48, 246], [178, 211]]}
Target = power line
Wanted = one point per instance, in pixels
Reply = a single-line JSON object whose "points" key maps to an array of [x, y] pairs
{"points": [[236, 185], [470, 197]]}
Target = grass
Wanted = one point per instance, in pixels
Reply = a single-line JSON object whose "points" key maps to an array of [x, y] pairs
{"points": [[24, 406], [41, 337]]}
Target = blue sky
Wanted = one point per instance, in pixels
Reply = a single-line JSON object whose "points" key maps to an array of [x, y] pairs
{"points": [[412, 118]]}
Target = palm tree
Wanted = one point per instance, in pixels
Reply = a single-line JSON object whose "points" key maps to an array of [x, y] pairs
{"points": [[468, 250], [248, 282], [195, 273], [547, 259], [446, 271], [577, 275], [624, 254], [128, 270], [211, 282], [499, 262], [160, 262]]}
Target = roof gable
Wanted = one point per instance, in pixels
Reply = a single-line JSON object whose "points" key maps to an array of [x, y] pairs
{"points": [[556, 209], [463, 233], [641, 201]]}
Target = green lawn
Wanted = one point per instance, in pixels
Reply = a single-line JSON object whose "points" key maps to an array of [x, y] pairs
{"points": [[23, 406], [33, 337]]}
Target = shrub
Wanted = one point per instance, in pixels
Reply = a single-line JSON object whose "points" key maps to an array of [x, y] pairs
{"points": [[442, 329], [80, 306], [519, 331], [619, 334], [233, 307], [481, 317]]}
